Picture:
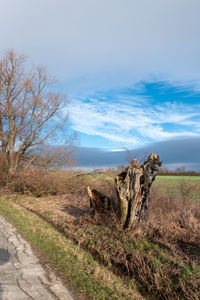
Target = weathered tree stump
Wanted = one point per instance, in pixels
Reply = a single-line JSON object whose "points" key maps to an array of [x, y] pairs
{"points": [[98, 201], [133, 189]]}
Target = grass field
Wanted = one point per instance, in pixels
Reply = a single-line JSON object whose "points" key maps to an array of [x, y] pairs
{"points": [[161, 263], [182, 187], [174, 178]]}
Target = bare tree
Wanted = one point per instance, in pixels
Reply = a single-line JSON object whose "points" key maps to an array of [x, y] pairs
{"points": [[30, 113]]}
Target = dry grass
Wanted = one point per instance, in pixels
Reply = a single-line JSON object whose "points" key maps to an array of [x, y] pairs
{"points": [[165, 261], [174, 220], [76, 266], [39, 182]]}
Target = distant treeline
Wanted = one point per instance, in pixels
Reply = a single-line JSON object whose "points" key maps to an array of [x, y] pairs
{"points": [[179, 172]]}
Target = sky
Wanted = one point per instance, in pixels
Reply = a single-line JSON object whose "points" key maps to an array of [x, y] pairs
{"points": [[130, 69]]}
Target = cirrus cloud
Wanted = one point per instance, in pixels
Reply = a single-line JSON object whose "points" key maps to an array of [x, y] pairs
{"points": [[129, 120]]}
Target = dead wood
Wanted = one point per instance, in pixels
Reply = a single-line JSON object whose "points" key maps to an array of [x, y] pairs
{"points": [[98, 201], [133, 190]]}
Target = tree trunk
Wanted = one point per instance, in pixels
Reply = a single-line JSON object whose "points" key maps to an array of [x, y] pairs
{"points": [[11, 156], [133, 189]]}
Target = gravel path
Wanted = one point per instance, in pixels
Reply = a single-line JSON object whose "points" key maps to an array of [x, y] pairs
{"points": [[22, 277]]}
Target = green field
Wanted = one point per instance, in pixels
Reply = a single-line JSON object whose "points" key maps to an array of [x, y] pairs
{"points": [[178, 180], [184, 187]]}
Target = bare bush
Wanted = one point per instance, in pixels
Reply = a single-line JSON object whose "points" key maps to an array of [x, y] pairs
{"points": [[171, 219], [38, 182]]}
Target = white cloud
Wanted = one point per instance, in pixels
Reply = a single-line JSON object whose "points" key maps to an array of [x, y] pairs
{"points": [[134, 124]]}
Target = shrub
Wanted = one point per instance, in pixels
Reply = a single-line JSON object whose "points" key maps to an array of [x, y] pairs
{"points": [[39, 182]]}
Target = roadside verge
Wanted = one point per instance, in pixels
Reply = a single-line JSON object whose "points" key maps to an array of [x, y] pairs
{"points": [[72, 263]]}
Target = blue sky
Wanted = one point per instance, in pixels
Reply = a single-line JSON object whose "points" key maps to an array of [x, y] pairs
{"points": [[134, 117], [130, 68]]}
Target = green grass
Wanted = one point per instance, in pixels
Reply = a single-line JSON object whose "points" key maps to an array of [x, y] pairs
{"points": [[72, 263], [186, 187]]}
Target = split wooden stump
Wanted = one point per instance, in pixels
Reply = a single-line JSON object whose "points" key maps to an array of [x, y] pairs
{"points": [[133, 190]]}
